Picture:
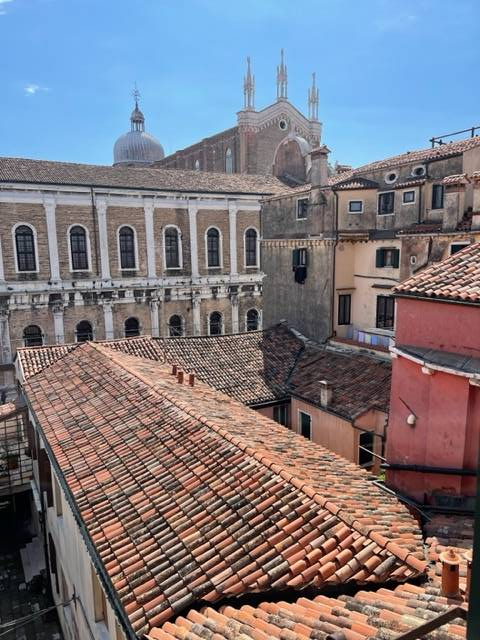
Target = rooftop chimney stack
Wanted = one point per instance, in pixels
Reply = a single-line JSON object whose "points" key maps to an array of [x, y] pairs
{"points": [[319, 170], [326, 393], [174, 369], [191, 379], [450, 573], [468, 555], [180, 377]]}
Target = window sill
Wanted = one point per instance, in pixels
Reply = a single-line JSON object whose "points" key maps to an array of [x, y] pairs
{"points": [[301, 219], [386, 214], [354, 213], [173, 268]]}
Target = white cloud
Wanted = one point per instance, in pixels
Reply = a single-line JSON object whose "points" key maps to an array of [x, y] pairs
{"points": [[2, 6], [32, 89]]}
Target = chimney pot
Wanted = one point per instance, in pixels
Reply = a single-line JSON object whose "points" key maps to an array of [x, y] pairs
{"points": [[450, 573], [326, 393], [174, 370], [191, 379], [180, 377]]}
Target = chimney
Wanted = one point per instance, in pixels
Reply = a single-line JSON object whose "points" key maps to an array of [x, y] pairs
{"points": [[468, 555], [191, 379], [450, 573], [319, 170], [174, 369], [326, 393], [180, 377]]}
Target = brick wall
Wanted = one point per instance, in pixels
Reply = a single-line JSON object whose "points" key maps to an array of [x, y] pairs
{"points": [[65, 217], [132, 217], [179, 218], [246, 219], [218, 219]]}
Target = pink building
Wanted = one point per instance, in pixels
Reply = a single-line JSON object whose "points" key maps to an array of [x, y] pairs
{"points": [[434, 425]]}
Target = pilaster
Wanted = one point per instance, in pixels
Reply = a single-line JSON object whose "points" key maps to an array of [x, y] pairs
{"points": [[2, 270], [101, 206], [58, 325], [197, 321], [49, 205], [192, 220], [232, 227], [108, 320], [149, 208], [5, 346], [154, 304], [235, 316]]}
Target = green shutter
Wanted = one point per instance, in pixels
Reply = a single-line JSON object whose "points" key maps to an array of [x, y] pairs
{"points": [[396, 258], [295, 256], [379, 259]]}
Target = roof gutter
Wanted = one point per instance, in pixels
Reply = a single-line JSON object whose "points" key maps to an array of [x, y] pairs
{"points": [[411, 296], [98, 564], [435, 367]]}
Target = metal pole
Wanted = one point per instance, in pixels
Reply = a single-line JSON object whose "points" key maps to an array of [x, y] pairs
{"points": [[473, 620]]}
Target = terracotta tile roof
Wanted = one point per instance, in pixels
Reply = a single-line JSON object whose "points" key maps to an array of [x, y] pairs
{"points": [[413, 182], [7, 409], [422, 227], [189, 496], [368, 615], [356, 183], [252, 367], [459, 178], [22, 170], [359, 382], [456, 278]]}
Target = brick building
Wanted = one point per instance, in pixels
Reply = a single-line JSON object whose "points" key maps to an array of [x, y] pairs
{"points": [[107, 252], [275, 139]]}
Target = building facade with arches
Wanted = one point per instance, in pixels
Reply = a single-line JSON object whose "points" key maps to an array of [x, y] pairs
{"points": [[98, 253]]}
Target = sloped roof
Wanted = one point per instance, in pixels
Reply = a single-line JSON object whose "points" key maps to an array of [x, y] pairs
{"points": [[359, 382], [251, 367], [457, 279], [188, 496], [24, 170]]}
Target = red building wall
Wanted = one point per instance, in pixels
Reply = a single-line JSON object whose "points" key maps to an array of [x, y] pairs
{"points": [[447, 407]]}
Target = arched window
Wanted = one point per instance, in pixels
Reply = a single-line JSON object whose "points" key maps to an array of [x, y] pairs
{"points": [[172, 248], [84, 331], [251, 258], [78, 248], [32, 336], [213, 248], [252, 320], [132, 327], [197, 165], [25, 245], [175, 326], [215, 324], [228, 161], [126, 241]]}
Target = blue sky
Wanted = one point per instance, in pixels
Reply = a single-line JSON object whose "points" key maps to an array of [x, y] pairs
{"points": [[391, 73]]}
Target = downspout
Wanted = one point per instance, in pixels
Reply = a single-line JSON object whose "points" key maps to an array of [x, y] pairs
{"points": [[335, 243], [95, 229]]}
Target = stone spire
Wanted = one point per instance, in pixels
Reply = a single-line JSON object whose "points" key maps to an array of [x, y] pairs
{"points": [[282, 79], [249, 88], [313, 101]]}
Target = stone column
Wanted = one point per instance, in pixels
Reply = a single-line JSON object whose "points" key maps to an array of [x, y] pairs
{"points": [[49, 206], [108, 320], [2, 270], [58, 326], [154, 304], [101, 206], [232, 228], [235, 318], [192, 220], [149, 208], [5, 345], [197, 320]]}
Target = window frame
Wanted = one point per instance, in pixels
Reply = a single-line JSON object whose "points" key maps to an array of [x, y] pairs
{"points": [[382, 299], [42, 337], [342, 316], [35, 247], [133, 335], [436, 186], [350, 202], [220, 248], [404, 193], [135, 248], [281, 411], [462, 245], [367, 464], [257, 247], [300, 427], [297, 208], [222, 325], [380, 196], [87, 249], [258, 319], [382, 252], [179, 247], [182, 326]]}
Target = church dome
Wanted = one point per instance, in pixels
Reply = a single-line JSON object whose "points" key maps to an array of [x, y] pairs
{"points": [[137, 147]]}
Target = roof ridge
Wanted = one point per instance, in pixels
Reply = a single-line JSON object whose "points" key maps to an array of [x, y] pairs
{"points": [[392, 547]]}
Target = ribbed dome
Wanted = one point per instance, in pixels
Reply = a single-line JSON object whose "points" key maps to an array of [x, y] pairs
{"points": [[137, 147]]}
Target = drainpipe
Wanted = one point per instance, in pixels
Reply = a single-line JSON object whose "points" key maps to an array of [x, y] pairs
{"points": [[95, 230], [335, 243]]}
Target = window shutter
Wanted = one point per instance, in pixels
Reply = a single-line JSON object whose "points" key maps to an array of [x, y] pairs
{"points": [[379, 258], [295, 258], [306, 257], [396, 258]]}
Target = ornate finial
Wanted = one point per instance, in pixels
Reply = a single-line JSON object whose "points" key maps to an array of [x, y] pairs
{"points": [[313, 100], [136, 94], [282, 78], [137, 119], [249, 88]]}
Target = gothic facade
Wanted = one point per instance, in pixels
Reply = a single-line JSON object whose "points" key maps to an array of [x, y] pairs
{"points": [[108, 252]]}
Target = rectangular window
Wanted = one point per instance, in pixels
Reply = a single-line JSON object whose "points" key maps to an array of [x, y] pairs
{"points": [[386, 203], [355, 206], [299, 258], [58, 497], [389, 257], [99, 600], [455, 248], [302, 208], [344, 307], [365, 449], [305, 425], [408, 197], [280, 414], [437, 196], [385, 312]]}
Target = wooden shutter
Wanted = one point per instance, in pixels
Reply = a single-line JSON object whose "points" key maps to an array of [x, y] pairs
{"points": [[295, 258], [45, 476], [379, 258], [396, 258]]}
